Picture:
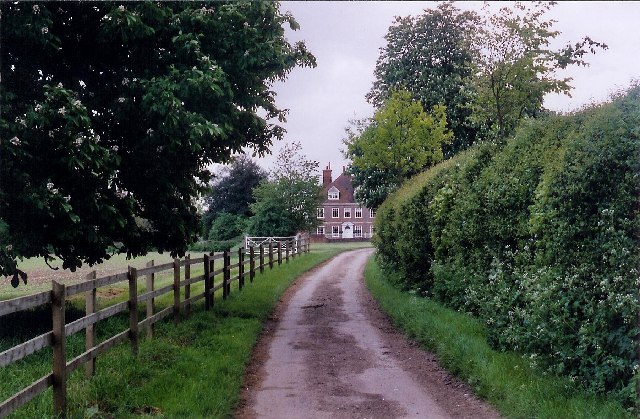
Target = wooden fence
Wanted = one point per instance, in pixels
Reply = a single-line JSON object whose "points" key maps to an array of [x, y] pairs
{"points": [[56, 338]]}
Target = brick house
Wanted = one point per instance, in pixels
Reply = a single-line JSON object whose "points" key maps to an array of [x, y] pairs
{"points": [[342, 218]]}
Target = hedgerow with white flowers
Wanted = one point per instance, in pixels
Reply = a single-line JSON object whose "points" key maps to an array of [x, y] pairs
{"points": [[539, 238]]}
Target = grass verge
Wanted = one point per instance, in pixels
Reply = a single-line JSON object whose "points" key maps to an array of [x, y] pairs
{"points": [[191, 369], [507, 380]]}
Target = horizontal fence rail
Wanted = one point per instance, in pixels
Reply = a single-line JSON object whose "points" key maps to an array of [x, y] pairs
{"points": [[252, 259]]}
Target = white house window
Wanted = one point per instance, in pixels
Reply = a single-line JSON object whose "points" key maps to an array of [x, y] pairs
{"points": [[335, 231], [371, 231], [333, 193], [372, 213], [320, 212], [320, 230], [357, 230], [347, 213], [358, 213], [335, 212]]}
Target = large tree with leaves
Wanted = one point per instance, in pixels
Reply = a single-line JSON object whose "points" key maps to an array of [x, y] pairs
{"points": [[232, 190], [516, 67], [112, 112], [286, 203], [431, 56], [400, 141]]}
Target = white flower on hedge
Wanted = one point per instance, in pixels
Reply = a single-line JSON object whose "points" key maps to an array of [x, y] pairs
{"points": [[121, 8], [44, 30], [78, 141], [62, 111], [15, 141]]}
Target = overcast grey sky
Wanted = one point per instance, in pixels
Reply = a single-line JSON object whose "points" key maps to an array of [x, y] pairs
{"points": [[346, 37]]}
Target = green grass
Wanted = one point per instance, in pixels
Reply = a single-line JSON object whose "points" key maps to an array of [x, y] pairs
{"points": [[194, 368], [507, 380]]}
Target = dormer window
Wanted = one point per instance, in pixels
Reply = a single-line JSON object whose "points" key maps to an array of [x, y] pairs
{"points": [[333, 193]]}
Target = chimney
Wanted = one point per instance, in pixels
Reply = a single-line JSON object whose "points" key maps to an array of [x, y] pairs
{"points": [[326, 176]]}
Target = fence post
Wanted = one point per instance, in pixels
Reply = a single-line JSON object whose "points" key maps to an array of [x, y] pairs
{"points": [[270, 255], [288, 244], [151, 279], [225, 275], [176, 290], [59, 356], [279, 253], [207, 282], [294, 247], [133, 309], [240, 268], [262, 258], [187, 288], [90, 331], [252, 263], [211, 270]]}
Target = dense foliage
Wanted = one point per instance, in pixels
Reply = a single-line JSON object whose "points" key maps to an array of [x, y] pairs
{"points": [[491, 70], [232, 191], [111, 113], [515, 67], [286, 203], [431, 55], [538, 237], [400, 141], [227, 226]]}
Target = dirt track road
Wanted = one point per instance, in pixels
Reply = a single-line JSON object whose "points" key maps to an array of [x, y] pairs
{"points": [[330, 353]]}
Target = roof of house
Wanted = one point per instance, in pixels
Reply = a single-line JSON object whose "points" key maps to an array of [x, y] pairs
{"points": [[345, 186]]}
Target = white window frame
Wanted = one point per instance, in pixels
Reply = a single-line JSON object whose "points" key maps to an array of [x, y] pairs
{"points": [[321, 212], [357, 230], [346, 211], [335, 212], [372, 213], [357, 213], [333, 193], [371, 230], [320, 230], [335, 231]]}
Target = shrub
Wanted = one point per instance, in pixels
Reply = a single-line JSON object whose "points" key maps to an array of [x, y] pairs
{"points": [[538, 238], [215, 245], [226, 226]]}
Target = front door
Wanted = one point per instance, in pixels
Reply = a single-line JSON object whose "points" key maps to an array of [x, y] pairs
{"points": [[347, 230]]}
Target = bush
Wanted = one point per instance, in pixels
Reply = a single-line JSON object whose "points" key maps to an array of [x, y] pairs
{"points": [[538, 238], [227, 226], [215, 245]]}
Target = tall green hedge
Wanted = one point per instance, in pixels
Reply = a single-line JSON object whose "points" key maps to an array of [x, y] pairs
{"points": [[539, 238]]}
